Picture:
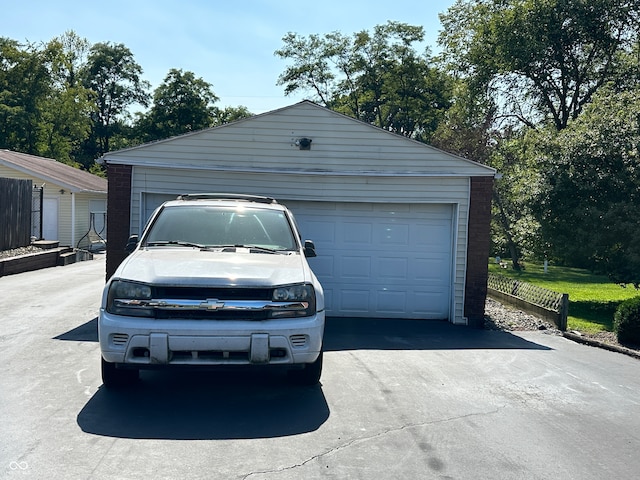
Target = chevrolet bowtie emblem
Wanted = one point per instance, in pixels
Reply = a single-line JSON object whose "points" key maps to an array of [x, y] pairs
{"points": [[211, 304]]}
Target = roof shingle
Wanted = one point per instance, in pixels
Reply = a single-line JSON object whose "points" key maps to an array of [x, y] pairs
{"points": [[73, 179]]}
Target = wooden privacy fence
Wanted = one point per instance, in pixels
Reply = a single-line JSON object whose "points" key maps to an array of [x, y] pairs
{"points": [[15, 213], [548, 304]]}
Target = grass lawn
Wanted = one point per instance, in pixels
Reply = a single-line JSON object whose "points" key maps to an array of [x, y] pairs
{"points": [[592, 298]]}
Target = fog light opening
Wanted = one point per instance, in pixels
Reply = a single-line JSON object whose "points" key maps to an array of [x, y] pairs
{"points": [[140, 352]]}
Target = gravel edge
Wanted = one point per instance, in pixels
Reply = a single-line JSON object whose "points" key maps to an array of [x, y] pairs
{"points": [[499, 316], [16, 252]]}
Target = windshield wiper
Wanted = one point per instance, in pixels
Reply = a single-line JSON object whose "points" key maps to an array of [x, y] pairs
{"points": [[253, 248], [260, 249], [175, 242]]}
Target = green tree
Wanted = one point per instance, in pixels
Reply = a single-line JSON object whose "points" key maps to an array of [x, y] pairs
{"points": [[112, 73], [544, 60], [24, 87], [67, 111], [377, 77], [230, 114], [181, 104], [588, 209], [538, 64]]}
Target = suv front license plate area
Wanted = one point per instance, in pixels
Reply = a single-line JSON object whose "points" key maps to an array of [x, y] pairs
{"points": [[163, 349]]}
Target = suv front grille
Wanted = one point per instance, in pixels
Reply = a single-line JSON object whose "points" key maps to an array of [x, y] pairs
{"points": [[206, 294], [211, 315], [203, 293]]}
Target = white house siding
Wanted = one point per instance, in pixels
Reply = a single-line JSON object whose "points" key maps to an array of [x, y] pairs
{"points": [[159, 184]]}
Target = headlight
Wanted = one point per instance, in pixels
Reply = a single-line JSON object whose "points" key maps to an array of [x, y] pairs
{"points": [[129, 298], [294, 301], [293, 293]]}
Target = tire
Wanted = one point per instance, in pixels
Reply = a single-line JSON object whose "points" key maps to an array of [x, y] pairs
{"points": [[113, 377], [309, 374]]}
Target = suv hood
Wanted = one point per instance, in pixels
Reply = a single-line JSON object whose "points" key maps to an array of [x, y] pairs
{"points": [[191, 267]]}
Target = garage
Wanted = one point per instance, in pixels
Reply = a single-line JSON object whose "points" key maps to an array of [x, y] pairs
{"points": [[392, 218]]}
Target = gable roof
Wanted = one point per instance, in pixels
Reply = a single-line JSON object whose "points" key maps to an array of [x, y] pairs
{"points": [[341, 145], [48, 169]]}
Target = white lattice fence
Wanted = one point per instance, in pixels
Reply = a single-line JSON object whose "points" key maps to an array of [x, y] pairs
{"points": [[550, 304]]}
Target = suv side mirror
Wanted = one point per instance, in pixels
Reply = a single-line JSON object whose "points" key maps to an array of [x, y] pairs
{"points": [[131, 244], [309, 249]]}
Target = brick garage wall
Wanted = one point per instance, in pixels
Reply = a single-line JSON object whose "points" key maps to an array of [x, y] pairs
{"points": [[479, 244], [118, 214]]}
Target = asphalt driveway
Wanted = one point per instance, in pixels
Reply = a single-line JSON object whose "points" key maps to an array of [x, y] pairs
{"points": [[399, 399]]}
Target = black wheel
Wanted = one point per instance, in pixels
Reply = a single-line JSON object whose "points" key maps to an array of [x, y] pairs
{"points": [[113, 377], [309, 374]]}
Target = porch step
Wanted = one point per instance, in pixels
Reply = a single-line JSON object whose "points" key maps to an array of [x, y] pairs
{"points": [[67, 257]]}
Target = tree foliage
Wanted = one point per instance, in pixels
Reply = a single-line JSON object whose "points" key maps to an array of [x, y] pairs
{"points": [[24, 88], [377, 77], [589, 206], [113, 74], [545, 67], [66, 119], [544, 58], [182, 103]]}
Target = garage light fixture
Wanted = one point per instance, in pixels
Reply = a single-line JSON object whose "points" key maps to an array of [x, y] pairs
{"points": [[304, 143]]}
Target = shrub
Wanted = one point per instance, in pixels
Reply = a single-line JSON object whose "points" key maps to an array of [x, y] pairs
{"points": [[626, 321]]}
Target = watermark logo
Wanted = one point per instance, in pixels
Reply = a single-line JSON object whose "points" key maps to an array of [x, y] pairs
{"points": [[18, 465]]}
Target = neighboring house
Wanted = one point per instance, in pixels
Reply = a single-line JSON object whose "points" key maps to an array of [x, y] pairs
{"points": [[401, 228], [70, 196]]}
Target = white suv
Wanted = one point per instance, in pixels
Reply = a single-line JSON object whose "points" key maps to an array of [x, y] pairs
{"points": [[215, 279]]}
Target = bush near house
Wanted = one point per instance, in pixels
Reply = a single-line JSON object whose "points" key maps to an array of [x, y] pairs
{"points": [[593, 299], [626, 322]]}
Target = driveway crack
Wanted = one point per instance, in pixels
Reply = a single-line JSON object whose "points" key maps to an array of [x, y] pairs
{"points": [[380, 434]]}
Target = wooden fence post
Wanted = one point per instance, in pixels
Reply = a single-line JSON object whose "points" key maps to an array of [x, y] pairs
{"points": [[564, 312]]}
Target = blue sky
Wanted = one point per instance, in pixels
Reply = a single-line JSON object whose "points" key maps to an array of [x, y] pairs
{"points": [[229, 44]]}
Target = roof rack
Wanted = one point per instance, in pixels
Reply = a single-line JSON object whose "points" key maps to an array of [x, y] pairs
{"points": [[226, 196]]}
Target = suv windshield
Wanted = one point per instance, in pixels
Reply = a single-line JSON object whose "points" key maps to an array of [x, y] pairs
{"points": [[210, 226]]}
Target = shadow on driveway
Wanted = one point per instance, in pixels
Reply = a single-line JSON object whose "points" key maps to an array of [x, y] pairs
{"points": [[396, 334], [205, 405]]}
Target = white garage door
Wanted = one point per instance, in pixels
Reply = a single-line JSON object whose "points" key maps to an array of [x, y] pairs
{"points": [[381, 260]]}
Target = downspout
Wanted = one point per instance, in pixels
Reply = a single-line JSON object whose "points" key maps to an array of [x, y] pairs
{"points": [[73, 219]]}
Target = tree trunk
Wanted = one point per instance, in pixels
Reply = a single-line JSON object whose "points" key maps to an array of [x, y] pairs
{"points": [[506, 226]]}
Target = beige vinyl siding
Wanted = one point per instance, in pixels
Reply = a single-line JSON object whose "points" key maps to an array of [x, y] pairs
{"points": [[267, 143]]}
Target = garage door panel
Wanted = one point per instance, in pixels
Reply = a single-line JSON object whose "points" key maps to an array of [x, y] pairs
{"points": [[323, 266], [430, 304], [428, 269], [393, 268], [355, 267], [357, 232], [395, 234], [353, 301], [381, 260], [320, 232], [391, 302], [432, 236]]}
